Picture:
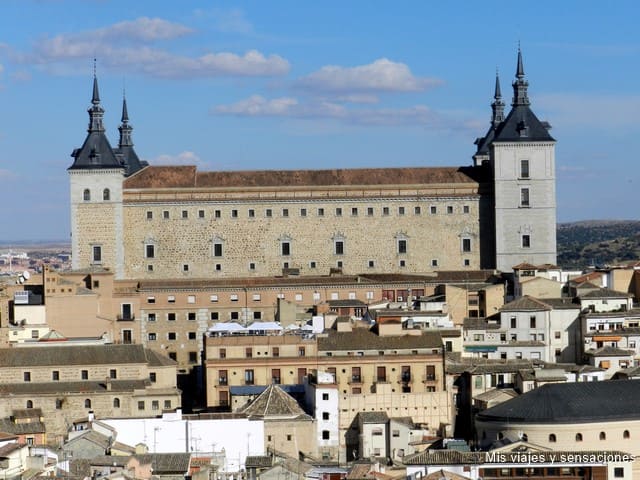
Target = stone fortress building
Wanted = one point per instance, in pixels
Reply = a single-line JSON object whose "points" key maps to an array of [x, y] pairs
{"points": [[156, 222]]}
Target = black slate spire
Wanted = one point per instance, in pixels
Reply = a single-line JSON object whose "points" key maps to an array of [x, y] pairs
{"points": [[96, 112], [520, 85], [498, 105], [124, 128]]}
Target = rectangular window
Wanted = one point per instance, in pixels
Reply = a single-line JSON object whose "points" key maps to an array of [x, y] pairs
{"points": [[524, 168], [213, 298], [385, 211], [433, 210], [434, 262], [215, 316], [97, 253], [193, 357], [191, 316], [268, 212], [256, 297], [248, 377], [513, 322], [370, 211], [171, 336], [223, 377], [251, 213], [303, 212], [417, 210], [217, 249], [339, 247], [248, 352], [233, 297], [171, 317], [466, 244], [149, 215], [113, 373], [223, 353], [152, 377], [200, 213], [285, 212], [402, 246], [449, 209], [400, 210], [285, 249], [371, 264], [152, 337], [526, 241], [171, 299], [185, 267], [217, 213], [524, 197], [27, 376], [338, 212], [257, 315], [532, 321], [275, 351], [141, 405], [321, 212], [465, 209], [84, 374], [165, 214], [155, 405], [55, 375], [185, 214], [301, 351], [354, 211], [275, 375]]}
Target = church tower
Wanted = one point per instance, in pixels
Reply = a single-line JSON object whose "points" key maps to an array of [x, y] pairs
{"points": [[96, 177], [522, 157]]}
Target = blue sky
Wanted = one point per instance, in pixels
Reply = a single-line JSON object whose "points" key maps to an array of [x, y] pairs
{"points": [[291, 84]]}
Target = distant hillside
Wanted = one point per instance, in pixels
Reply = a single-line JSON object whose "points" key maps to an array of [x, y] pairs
{"points": [[598, 242]]}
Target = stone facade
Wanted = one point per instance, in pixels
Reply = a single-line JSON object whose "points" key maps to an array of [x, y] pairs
{"points": [[176, 222]]}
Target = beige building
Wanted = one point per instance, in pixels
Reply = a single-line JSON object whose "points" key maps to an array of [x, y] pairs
{"points": [[158, 222], [65, 381], [577, 416], [360, 360]]}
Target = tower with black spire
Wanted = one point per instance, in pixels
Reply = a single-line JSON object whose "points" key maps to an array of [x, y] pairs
{"points": [[95, 178], [522, 157], [497, 117], [125, 152]]}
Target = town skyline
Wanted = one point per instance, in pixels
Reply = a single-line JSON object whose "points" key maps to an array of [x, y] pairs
{"points": [[306, 87]]}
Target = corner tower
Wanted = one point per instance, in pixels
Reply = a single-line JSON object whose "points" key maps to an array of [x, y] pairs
{"points": [[522, 156], [95, 178]]}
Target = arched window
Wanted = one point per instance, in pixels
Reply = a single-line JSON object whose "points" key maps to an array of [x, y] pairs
{"points": [[552, 438], [578, 437], [106, 195], [86, 195], [116, 403], [29, 404], [87, 403], [603, 436], [626, 434]]}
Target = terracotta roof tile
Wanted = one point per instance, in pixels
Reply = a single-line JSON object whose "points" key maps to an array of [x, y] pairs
{"points": [[188, 177]]}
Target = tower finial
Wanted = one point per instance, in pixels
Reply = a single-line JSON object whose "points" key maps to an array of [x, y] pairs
{"points": [[95, 99], [498, 93], [520, 85], [520, 68], [497, 106]]}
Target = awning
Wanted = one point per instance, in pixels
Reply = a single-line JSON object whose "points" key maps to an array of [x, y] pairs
{"points": [[480, 348], [606, 338]]}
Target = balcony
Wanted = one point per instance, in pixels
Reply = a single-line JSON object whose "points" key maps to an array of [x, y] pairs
{"points": [[381, 379], [356, 379], [429, 378], [405, 377], [223, 381], [248, 381], [125, 317]]}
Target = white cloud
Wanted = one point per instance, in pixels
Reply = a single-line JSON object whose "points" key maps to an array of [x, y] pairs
{"points": [[258, 106], [127, 46], [183, 158], [382, 75]]}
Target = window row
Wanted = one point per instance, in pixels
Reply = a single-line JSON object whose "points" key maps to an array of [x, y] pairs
{"points": [[601, 436], [152, 336], [319, 212], [106, 195], [155, 404], [286, 249], [84, 375]]}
